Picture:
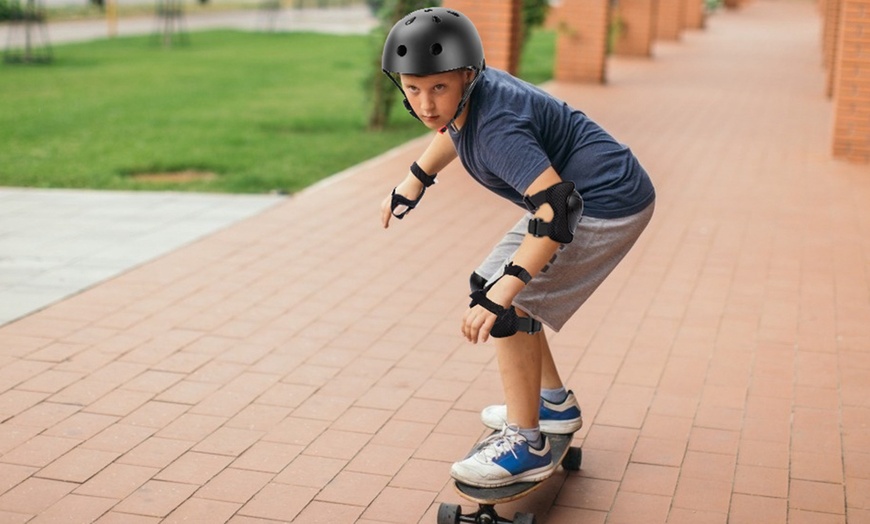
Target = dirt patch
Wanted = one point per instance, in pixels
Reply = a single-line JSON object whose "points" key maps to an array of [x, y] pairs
{"points": [[175, 177]]}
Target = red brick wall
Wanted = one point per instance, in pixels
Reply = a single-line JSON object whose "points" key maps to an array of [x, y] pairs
{"points": [[581, 45], [670, 19], [637, 20], [852, 83], [498, 22]]}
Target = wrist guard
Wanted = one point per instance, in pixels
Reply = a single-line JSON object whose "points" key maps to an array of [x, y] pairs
{"points": [[507, 322], [401, 205], [426, 179], [567, 205]]}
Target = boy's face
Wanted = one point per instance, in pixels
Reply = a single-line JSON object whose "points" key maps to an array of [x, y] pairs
{"points": [[435, 97]]}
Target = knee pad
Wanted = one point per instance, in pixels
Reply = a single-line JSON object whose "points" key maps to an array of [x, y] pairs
{"points": [[567, 205], [507, 322], [476, 282]]}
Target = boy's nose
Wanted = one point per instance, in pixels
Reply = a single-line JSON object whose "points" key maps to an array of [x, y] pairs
{"points": [[427, 103]]}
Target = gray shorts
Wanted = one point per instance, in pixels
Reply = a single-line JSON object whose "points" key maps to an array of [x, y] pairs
{"points": [[575, 271]]}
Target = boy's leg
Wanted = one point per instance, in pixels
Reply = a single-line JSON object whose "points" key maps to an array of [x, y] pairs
{"points": [[518, 358], [520, 363], [550, 378]]}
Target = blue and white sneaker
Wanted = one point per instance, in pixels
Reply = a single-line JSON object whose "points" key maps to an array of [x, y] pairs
{"points": [[505, 458], [559, 419]]}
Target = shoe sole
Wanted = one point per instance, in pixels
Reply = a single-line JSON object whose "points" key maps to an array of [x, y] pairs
{"points": [[557, 427], [535, 475]]}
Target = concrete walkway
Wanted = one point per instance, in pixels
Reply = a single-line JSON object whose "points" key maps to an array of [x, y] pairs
{"points": [[55, 243], [305, 366], [345, 20]]}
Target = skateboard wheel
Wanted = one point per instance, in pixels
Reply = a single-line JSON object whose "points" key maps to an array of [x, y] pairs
{"points": [[572, 459], [524, 518], [449, 513]]}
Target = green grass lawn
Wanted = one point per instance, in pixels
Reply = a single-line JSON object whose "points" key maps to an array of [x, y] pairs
{"points": [[262, 111]]}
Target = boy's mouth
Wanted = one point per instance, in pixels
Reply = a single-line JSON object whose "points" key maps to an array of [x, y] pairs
{"points": [[428, 118]]}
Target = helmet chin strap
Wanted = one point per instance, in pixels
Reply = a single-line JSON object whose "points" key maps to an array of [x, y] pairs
{"points": [[462, 103]]}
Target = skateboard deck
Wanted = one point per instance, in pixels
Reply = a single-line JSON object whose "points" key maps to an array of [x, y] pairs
{"points": [[486, 498]]}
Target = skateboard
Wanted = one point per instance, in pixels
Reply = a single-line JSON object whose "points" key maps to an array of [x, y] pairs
{"points": [[486, 498]]}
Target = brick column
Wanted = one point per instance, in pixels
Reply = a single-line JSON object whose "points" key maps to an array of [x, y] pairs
{"points": [[498, 22], [670, 19], [831, 23], [637, 19], [696, 14], [581, 45], [852, 83]]}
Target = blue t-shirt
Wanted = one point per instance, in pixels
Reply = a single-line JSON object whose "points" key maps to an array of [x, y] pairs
{"points": [[514, 131]]}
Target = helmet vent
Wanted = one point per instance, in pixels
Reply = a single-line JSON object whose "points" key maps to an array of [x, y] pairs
{"points": [[411, 20], [428, 10], [436, 19], [454, 13], [402, 50], [435, 49]]}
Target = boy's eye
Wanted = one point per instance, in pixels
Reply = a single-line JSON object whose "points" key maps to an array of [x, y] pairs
{"points": [[439, 87]]}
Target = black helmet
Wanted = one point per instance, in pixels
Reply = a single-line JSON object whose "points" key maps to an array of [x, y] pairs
{"points": [[432, 40]]}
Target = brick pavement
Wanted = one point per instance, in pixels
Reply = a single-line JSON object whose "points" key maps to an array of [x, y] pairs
{"points": [[305, 365]]}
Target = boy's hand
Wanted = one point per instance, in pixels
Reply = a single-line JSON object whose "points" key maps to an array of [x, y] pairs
{"points": [[410, 188], [477, 323]]}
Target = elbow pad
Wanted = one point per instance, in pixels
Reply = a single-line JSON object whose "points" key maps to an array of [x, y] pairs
{"points": [[567, 205]]}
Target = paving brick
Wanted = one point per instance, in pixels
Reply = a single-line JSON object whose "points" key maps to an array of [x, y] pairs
{"points": [[34, 495], [234, 485], [379, 459], [156, 498], [194, 468], [587, 493], [282, 502], [75, 508], [750, 508], [816, 496], [39, 451], [352, 488], [630, 507], [650, 479], [117, 481], [202, 510], [78, 465], [398, 504], [329, 513]]}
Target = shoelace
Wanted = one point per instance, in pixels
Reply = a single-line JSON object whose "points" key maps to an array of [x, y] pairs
{"points": [[500, 444]]}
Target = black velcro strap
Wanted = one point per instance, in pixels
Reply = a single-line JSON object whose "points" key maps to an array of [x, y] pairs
{"points": [[399, 200], [538, 227], [479, 297], [426, 179], [528, 325], [533, 202], [517, 271], [507, 321]]}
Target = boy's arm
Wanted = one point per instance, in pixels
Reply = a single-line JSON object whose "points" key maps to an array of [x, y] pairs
{"points": [[437, 156], [533, 254]]}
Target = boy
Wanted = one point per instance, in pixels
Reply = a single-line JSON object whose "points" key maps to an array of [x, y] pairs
{"points": [[553, 161]]}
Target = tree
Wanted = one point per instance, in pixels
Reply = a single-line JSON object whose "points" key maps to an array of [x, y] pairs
{"points": [[383, 92]]}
